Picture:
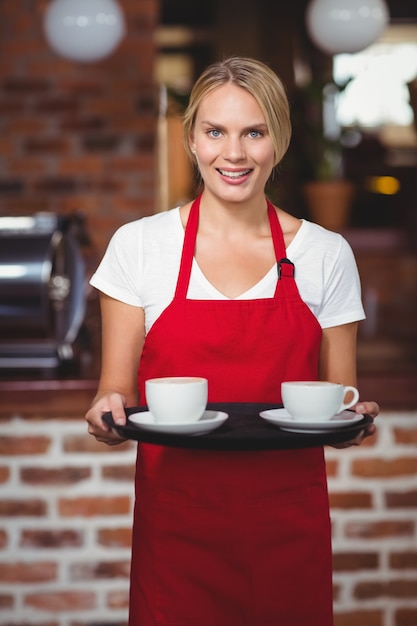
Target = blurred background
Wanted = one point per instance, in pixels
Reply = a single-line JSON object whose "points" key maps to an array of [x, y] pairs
{"points": [[91, 139]]}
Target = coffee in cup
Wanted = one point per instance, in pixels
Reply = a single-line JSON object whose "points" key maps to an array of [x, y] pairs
{"points": [[176, 399], [316, 400]]}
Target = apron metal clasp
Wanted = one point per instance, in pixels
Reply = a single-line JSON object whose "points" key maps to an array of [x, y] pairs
{"points": [[285, 268]]}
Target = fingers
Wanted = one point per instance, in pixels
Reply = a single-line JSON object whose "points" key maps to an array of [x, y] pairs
{"points": [[114, 403], [371, 409], [117, 407], [368, 408]]}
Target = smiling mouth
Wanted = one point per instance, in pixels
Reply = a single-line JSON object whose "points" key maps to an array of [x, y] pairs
{"points": [[234, 175]]}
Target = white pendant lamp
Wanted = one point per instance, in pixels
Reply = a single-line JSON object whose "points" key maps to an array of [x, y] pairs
{"points": [[337, 26], [84, 30]]}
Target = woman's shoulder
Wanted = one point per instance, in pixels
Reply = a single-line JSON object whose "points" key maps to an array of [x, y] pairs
{"points": [[312, 233], [314, 245], [153, 226]]}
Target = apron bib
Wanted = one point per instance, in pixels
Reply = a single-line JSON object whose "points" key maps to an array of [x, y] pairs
{"points": [[232, 538]]}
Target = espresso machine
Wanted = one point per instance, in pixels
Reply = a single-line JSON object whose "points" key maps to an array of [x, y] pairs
{"points": [[42, 291]]}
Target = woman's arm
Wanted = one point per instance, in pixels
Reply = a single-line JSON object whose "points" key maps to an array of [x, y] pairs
{"points": [[123, 335], [338, 364]]}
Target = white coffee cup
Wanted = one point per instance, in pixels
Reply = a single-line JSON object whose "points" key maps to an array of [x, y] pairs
{"points": [[176, 399], [316, 400]]}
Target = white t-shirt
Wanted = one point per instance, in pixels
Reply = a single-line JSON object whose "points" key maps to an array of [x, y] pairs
{"points": [[141, 264]]}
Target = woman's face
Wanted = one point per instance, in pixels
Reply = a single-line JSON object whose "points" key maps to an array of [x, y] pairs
{"points": [[233, 148]]}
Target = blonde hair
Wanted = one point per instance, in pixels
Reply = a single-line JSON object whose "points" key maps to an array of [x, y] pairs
{"points": [[258, 80]]}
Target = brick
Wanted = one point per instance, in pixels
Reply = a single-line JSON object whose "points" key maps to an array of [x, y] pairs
{"points": [[28, 572], [3, 539], [22, 508], [109, 185], [383, 468], [11, 107], [6, 601], [352, 561], [54, 476], [380, 529], [94, 506], [51, 539], [337, 590], [6, 146], [93, 622], [16, 49], [134, 125], [25, 125], [4, 474], [404, 499], [27, 166], [119, 472], [107, 107], [101, 143], [405, 436], [87, 444], [102, 570], [79, 123], [359, 618], [29, 445], [118, 599], [83, 86], [146, 142], [147, 103], [386, 589], [25, 85], [23, 205], [403, 560], [350, 500], [11, 186], [22, 25], [115, 537], [90, 205], [406, 617], [61, 601], [332, 467], [56, 184], [126, 164], [57, 105], [81, 165], [52, 66], [53, 145]]}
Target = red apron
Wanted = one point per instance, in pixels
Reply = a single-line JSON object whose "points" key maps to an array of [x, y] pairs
{"points": [[232, 538]]}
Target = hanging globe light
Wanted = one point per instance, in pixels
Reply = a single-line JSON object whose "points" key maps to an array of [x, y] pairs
{"points": [[337, 26], [84, 30]]}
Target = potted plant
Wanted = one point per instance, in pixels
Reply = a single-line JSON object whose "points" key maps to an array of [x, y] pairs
{"points": [[319, 157]]}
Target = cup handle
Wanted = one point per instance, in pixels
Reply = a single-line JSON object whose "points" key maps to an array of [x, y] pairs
{"points": [[347, 405]]}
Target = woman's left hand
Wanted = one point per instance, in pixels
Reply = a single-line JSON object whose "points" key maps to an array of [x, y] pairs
{"points": [[368, 408]]}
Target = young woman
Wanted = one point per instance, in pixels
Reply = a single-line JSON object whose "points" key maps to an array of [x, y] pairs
{"points": [[228, 538]]}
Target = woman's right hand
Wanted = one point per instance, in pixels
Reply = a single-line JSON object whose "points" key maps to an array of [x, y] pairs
{"points": [[114, 402], [123, 335]]}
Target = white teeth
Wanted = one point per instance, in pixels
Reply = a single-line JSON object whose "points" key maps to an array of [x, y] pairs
{"points": [[234, 174]]}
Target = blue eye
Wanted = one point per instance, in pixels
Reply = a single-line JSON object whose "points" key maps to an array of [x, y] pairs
{"points": [[214, 133], [255, 134]]}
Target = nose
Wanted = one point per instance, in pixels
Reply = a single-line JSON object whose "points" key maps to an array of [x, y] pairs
{"points": [[234, 149]]}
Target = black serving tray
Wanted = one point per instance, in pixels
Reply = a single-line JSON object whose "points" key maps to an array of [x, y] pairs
{"points": [[243, 430]]}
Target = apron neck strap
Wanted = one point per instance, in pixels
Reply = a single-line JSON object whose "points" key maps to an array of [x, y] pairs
{"points": [[276, 232], [190, 237], [188, 248]]}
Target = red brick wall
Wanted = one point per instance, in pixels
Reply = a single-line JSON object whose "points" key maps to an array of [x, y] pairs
{"points": [[77, 137], [66, 510]]}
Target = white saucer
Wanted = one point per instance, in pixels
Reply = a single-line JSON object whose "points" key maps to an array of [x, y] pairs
{"points": [[207, 422], [282, 418]]}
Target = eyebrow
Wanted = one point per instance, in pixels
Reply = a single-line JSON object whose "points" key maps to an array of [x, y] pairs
{"points": [[256, 126]]}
